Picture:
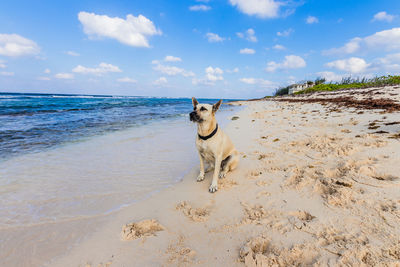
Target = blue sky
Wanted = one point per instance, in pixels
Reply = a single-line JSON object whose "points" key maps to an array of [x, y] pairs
{"points": [[214, 48]]}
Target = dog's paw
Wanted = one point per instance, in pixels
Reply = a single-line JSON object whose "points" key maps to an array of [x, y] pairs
{"points": [[221, 175], [213, 188], [200, 178]]}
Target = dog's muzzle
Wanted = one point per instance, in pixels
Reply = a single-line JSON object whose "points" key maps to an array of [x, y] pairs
{"points": [[194, 117]]}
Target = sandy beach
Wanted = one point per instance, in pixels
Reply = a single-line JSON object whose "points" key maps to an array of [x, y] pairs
{"points": [[317, 185]]}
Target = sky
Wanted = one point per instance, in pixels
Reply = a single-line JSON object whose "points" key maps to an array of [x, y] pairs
{"points": [[203, 48]]}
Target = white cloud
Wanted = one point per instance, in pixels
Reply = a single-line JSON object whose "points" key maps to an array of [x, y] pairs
{"points": [[249, 35], [214, 38], [279, 47], [352, 46], [126, 80], [63, 75], [259, 82], [172, 59], [172, 70], [47, 71], [7, 73], [390, 63], [384, 40], [43, 78], [160, 81], [290, 62], [199, 8], [72, 53], [312, 20], [101, 69], [214, 74], [235, 70], [285, 33], [14, 45], [132, 31], [259, 8], [383, 16], [3, 64], [352, 65], [388, 39], [330, 76], [248, 51]]}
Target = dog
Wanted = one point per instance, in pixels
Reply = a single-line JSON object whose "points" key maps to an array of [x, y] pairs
{"points": [[214, 146]]}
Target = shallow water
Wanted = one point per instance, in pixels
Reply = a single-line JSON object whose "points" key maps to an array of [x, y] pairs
{"points": [[97, 171]]}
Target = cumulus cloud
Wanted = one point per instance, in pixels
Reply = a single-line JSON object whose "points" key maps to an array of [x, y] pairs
{"points": [[133, 31], [312, 20], [259, 82], [384, 40], [249, 35], [172, 70], [14, 45], [290, 62], [7, 73], [279, 47], [172, 59], [63, 75], [126, 80], [285, 33], [214, 74], [102, 68], [258, 8], [383, 16], [330, 76], [248, 51], [160, 81], [199, 8], [353, 65], [47, 71], [214, 38], [352, 46], [72, 53]]}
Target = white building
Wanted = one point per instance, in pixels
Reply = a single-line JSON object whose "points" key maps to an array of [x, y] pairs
{"points": [[299, 87]]}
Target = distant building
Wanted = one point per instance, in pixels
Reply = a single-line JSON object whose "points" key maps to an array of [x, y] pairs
{"points": [[294, 88]]}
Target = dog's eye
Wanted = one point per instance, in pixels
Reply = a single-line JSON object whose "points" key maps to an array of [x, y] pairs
{"points": [[203, 109]]}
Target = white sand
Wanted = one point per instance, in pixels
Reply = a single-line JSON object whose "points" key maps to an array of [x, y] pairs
{"points": [[313, 188]]}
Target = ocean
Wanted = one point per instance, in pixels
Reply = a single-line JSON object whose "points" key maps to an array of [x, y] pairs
{"points": [[65, 157]]}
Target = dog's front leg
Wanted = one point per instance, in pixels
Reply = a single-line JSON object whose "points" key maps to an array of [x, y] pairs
{"points": [[217, 167], [201, 174]]}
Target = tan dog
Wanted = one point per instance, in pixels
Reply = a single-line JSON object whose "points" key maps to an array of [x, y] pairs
{"points": [[214, 146]]}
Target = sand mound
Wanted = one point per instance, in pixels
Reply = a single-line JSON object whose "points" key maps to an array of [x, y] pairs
{"points": [[195, 214], [253, 213], [260, 251], [144, 228]]}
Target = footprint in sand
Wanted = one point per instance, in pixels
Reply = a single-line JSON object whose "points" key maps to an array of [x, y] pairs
{"points": [[195, 214], [260, 251], [179, 254], [144, 228]]}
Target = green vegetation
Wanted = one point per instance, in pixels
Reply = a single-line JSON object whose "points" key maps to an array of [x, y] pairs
{"points": [[282, 91], [345, 83], [350, 83]]}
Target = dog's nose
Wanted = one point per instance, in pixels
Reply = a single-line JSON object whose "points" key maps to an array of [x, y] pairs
{"points": [[192, 115]]}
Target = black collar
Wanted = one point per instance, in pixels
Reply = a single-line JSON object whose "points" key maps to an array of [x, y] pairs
{"points": [[210, 135]]}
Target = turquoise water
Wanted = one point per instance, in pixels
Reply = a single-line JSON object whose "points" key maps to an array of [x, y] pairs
{"points": [[35, 122]]}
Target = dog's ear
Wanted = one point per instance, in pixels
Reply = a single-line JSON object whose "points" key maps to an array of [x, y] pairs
{"points": [[194, 102], [216, 106]]}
